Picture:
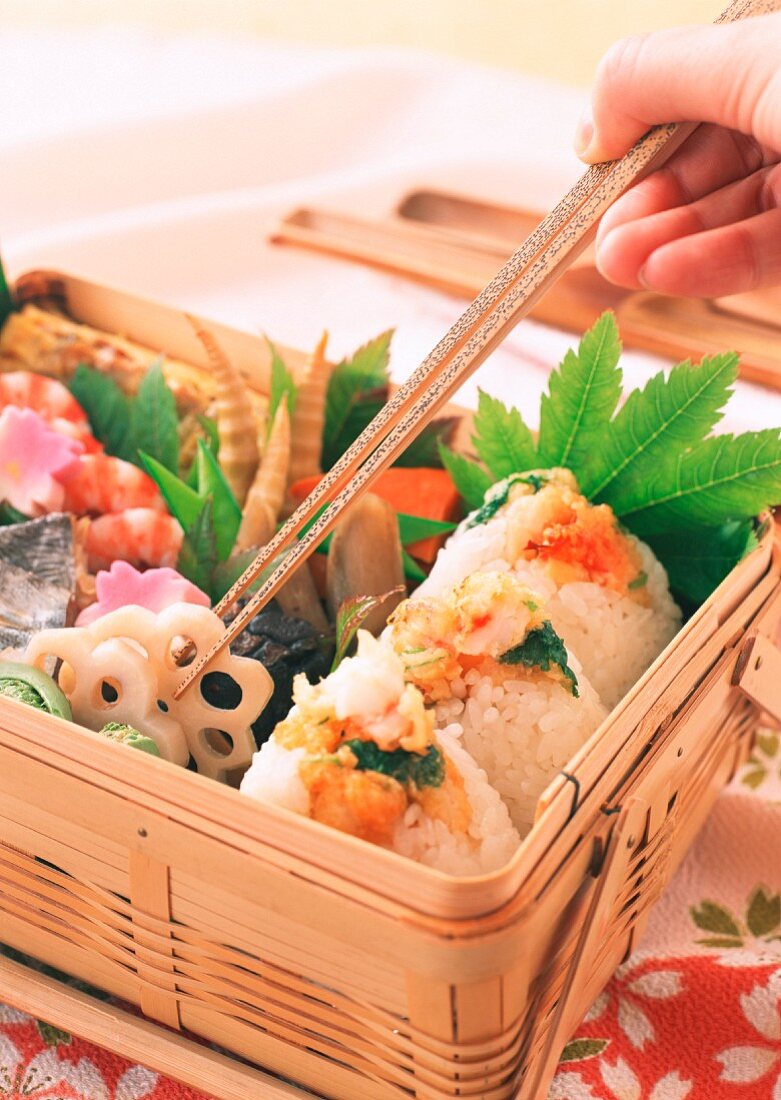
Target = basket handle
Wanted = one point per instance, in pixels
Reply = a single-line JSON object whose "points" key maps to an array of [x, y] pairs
{"points": [[620, 847]]}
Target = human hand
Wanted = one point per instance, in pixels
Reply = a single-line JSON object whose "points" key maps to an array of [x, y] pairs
{"points": [[709, 222]]}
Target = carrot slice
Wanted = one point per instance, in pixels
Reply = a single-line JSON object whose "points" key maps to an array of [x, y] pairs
{"points": [[416, 491]]}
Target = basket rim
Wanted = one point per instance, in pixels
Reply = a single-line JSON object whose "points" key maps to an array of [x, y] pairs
{"points": [[345, 863]]}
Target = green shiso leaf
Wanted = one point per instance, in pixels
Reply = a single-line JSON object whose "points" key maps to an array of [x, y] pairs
{"points": [[350, 617], [406, 767], [282, 385], [107, 409], [227, 512], [198, 556], [697, 559], [471, 480], [670, 414], [357, 390], [498, 495], [725, 477], [542, 648], [184, 503], [501, 439], [7, 303], [582, 396], [153, 420], [425, 450]]}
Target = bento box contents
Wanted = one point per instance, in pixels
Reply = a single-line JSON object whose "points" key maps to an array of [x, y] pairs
{"points": [[464, 631]]}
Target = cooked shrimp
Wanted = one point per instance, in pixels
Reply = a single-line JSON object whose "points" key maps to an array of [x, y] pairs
{"points": [[51, 400], [46, 396], [103, 484], [141, 536]]}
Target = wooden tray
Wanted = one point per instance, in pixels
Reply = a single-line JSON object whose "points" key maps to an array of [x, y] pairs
{"points": [[326, 961]]}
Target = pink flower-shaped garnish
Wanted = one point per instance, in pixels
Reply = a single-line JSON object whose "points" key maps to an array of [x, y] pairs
{"points": [[33, 462], [154, 589]]}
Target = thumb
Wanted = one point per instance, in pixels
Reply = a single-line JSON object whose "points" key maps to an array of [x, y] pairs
{"points": [[728, 74]]}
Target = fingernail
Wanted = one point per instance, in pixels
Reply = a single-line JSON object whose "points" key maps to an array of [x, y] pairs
{"points": [[584, 134], [642, 277]]}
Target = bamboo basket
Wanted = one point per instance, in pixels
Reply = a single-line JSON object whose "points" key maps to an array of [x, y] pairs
{"points": [[320, 964]]}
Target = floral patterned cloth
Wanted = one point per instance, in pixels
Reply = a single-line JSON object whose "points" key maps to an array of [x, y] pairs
{"points": [[695, 1014]]}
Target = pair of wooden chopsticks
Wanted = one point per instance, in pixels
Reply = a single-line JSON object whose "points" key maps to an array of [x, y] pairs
{"points": [[544, 256]]}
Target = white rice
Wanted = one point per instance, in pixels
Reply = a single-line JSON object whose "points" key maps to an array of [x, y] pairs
{"points": [[614, 637], [521, 733], [491, 841]]}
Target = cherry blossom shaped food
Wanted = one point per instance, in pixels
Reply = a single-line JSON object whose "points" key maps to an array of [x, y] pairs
{"points": [[34, 462], [155, 589]]}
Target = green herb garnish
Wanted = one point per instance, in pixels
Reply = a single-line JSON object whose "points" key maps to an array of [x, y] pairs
{"points": [[282, 385], [640, 581], [542, 648], [127, 425], [153, 421], [357, 390], [198, 556], [653, 461], [471, 480], [582, 396], [498, 495], [501, 439], [406, 767], [698, 559]]}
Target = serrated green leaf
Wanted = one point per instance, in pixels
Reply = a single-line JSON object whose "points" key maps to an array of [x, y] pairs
{"points": [[424, 450], [183, 502], [472, 482], [227, 512], [582, 396], [669, 415], [107, 409], [198, 556], [725, 477], [578, 1050], [357, 390], [501, 439], [764, 912], [711, 917], [282, 385], [697, 559], [351, 615], [153, 420], [7, 303]]}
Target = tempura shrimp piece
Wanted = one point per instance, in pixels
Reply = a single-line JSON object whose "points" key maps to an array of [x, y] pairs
{"points": [[236, 422], [78, 432], [142, 536], [363, 803], [104, 484]]}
